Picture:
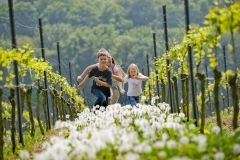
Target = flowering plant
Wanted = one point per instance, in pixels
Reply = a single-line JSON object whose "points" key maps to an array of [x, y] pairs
{"points": [[132, 133]]}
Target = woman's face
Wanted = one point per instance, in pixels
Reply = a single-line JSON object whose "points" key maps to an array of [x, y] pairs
{"points": [[109, 63]]}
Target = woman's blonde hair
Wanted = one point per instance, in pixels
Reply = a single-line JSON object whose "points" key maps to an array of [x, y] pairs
{"points": [[114, 61], [132, 66]]}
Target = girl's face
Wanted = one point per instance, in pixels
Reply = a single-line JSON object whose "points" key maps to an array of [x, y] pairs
{"points": [[133, 72], [102, 60]]}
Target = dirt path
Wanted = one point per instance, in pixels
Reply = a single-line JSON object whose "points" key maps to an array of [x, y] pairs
{"points": [[226, 122]]}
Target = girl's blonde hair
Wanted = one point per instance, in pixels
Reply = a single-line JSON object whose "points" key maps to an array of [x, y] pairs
{"points": [[132, 66]]}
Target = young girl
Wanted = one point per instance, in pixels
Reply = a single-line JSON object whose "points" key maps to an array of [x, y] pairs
{"points": [[134, 79], [117, 81], [102, 80]]}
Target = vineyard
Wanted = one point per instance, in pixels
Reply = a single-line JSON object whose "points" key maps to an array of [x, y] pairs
{"points": [[204, 42], [170, 122]]}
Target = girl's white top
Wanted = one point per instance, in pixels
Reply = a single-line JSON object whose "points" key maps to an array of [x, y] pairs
{"points": [[134, 85]]}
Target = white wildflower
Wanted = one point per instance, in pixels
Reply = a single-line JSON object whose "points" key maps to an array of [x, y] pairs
{"points": [[107, 136], [143, 98], [216, 129], [163, 115], [181, 115], [54, 140], [153, 99], [24, 154], [169, 118], [125, 147], [162, 154], [168, 108], [58, 124], [219, 156], [45, 145], [67, 116], [171, 144], [202, 145], [202, 142], [132, 156], [39, 156], [162, 107], [192, 126], [206, 157], [160, 120], [86, 110], [102, 109], [236, 149], [142, 148], [180, 158], [177, 119], [184, 140], [165, 136], [159, 144]]}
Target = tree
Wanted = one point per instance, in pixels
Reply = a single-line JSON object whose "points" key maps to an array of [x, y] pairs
{"points": [[26, 20], [142, 12]]}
